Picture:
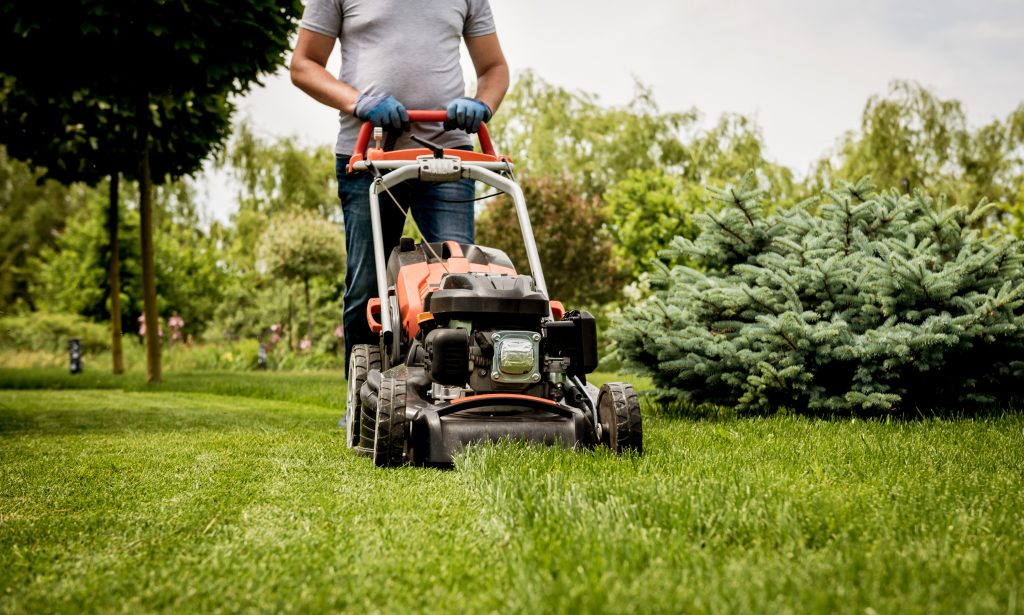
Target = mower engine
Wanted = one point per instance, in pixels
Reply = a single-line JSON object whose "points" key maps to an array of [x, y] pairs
{"points": [[488, 333]]}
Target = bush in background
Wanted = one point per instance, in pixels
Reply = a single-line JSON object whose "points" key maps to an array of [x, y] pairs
{"points": [[42, 331], [871, 302]]}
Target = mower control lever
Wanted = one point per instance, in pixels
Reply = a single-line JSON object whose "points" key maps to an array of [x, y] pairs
{"points": [[436, 149]]}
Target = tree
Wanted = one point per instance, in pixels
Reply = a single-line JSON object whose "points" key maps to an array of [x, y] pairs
{"points": [[555, 132], [70, 275], [32, 214], [874, 303], [646, 167], [276, 177], [727, 150], [301, 247], [280, 175], [146, 93], [648, 208], [580, 266], [912, 139], [83, 132]]}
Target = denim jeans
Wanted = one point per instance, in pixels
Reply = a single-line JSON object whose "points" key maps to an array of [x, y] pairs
{"points": [[438, 221]]}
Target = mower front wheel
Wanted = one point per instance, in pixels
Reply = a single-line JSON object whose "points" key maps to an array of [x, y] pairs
{"points": [[364, 358], [618, 410], [390, 429]]}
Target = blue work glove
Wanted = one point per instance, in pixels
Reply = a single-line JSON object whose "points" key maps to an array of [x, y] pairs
{"points": [[467, 113], [383, 110]]}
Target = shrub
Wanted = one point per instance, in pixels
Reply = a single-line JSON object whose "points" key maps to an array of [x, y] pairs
{"points": [[38, 331], [576, 251], [872, 302]]}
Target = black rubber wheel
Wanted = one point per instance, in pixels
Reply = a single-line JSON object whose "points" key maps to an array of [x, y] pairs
{"points": [[389, 438], [618, 410], [364, 358]]}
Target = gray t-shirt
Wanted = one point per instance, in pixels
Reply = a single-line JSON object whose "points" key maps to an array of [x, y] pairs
{"points": [[407, 48]]}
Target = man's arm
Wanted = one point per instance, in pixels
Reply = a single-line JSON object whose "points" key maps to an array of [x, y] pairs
{"points": [[309, 72], [491, 69]]}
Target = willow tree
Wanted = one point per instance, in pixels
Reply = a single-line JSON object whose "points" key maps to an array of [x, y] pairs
{"points": [[146, 91]]}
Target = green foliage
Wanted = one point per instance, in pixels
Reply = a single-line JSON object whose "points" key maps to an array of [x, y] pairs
{"points": [[878, 302], [52, 332], [276, 177], [279, 176], [580, 265], [912, 139], [145, 92], [1011, 217], [71, 276], [301, 246], [727, 150], [249, 307], [645, 166], [648, 209], [552, 131], [248, 310], [143, 75], [32, 214]]}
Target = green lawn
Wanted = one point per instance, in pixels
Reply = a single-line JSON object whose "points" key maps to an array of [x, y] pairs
{"points": [[234, 492]]}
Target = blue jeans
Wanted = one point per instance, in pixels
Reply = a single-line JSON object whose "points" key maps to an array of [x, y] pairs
{"points": [[438, 221]]}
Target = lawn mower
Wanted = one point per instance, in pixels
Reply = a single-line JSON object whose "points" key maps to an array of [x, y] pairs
{"points": [[469, 349]]}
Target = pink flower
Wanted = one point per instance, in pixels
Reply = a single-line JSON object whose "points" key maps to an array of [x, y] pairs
{"points": [[305, 344]]}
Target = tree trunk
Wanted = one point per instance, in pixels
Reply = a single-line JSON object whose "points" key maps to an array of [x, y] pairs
{"points": [[113, 221], [291, 329], [309, 314], [148, 273]]}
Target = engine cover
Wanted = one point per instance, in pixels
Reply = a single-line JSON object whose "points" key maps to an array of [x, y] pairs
{"points": [[469, 294]]}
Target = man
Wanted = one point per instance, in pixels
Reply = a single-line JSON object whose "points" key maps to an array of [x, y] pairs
{"points": [[398, 55]]}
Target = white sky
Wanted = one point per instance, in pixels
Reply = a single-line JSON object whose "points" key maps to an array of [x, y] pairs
{"points": [[802, 68]]}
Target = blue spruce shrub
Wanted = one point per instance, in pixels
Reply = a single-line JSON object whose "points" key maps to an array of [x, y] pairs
{"points": [[868, 302]]}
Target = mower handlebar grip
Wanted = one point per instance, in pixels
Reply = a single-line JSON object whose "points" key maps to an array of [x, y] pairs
{"points": [[418, 116]]}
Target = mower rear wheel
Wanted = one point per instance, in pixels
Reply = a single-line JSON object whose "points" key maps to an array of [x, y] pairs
{"points": [[618, 410], [390, 433], [364, 358]]}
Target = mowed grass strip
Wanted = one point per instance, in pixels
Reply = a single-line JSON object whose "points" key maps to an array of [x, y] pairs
{"points": [[117, 500], [319, 388]]}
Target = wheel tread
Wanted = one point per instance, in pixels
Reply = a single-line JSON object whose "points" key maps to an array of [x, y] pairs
{"points": [[625, 404], [389, 440], [367, 416]]}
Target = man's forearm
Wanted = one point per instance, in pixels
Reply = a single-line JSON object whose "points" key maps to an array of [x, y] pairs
{"points": [[492, 85], [313, 79]]}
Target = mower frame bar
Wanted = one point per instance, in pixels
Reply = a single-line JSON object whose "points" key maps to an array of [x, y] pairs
{"points": [[406, 170]]}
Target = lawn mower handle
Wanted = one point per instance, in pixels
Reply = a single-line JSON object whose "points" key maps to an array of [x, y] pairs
{"points": [[418, 116]]}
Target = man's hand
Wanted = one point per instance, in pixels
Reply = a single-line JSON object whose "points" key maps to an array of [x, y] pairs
{"points": [[467, 113], [383, 110]]}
